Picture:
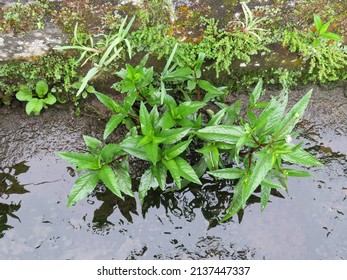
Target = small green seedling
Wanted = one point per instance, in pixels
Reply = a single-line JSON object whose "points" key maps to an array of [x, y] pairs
{"points": [[36, 100]]}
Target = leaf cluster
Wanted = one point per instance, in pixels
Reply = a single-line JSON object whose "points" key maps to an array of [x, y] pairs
{"points": [[167, 125], [38, 99]]}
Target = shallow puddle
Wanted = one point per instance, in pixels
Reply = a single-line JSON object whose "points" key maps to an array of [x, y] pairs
{"points": [[307, 223]]}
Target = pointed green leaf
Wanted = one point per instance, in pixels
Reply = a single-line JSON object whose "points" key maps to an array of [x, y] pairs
{"points": [[108, 177], [261, 169], [217, 118], [186, 171], [256, 93], [180, 74], [159, 171], [113, 123], [81, 161], [145, 120], [147, 182], [92, 143], [292, 118], [236, 203], [152, 151], [189, 107], [264, 196], [295, 173], [174, 171], [108, 102], [129, 145], [83, 187], [301, 157], [324, 28], [173, 135], [222, 133], [110, 151], [317, 22], [177, 149], [228, 173], [332, 36], [167, 121], [123, 178]]}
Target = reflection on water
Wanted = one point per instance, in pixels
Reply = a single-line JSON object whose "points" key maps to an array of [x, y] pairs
{"points": [[9, 185]]}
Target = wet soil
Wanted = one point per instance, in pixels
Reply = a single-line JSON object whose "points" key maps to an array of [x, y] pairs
{"points": [[309, 222]]}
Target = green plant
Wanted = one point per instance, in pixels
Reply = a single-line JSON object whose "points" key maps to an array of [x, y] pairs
{"points": [[321, 32], [36, 100], [250, 24], [165, 128], [109, 49]]}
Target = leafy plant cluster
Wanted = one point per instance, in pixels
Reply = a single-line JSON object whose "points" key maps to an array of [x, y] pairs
{"points": [[59, 72], [325, 57], [21, 18], [36, 100], [180, 127]]}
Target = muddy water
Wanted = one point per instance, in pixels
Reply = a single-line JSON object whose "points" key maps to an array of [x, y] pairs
{"points": [[307, 223]]}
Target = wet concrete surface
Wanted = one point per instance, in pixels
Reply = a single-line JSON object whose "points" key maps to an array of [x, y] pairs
{"points": [[307, 223]]}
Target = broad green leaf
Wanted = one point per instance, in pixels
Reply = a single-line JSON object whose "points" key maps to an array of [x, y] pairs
{"points": [[159, 171], [256, 93], [152, 151], [301, 157], [191, 85], [173, 135], [129, 101], [258, 173], [236, 203], [50, 99], [222, 133], [129, 145], [34, 106], [145, 120], [180, 74], [147, 182], [228, 173], [110, 151], [81, 161], [24, 95], [108, 177], [167, 121], [145, 140], [212, 92], [217, 118], [317, 22], [113, 123], [210, 155], [123, 178], [324, 28], [271, 184], [332, 36], [83, 187], [186, 171], [292, 118], [264, 196], [177, 149], [41, 89], [189, 107], [295, 173], [92, 143], [275, 118], [171, 165], [108, 102]]}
